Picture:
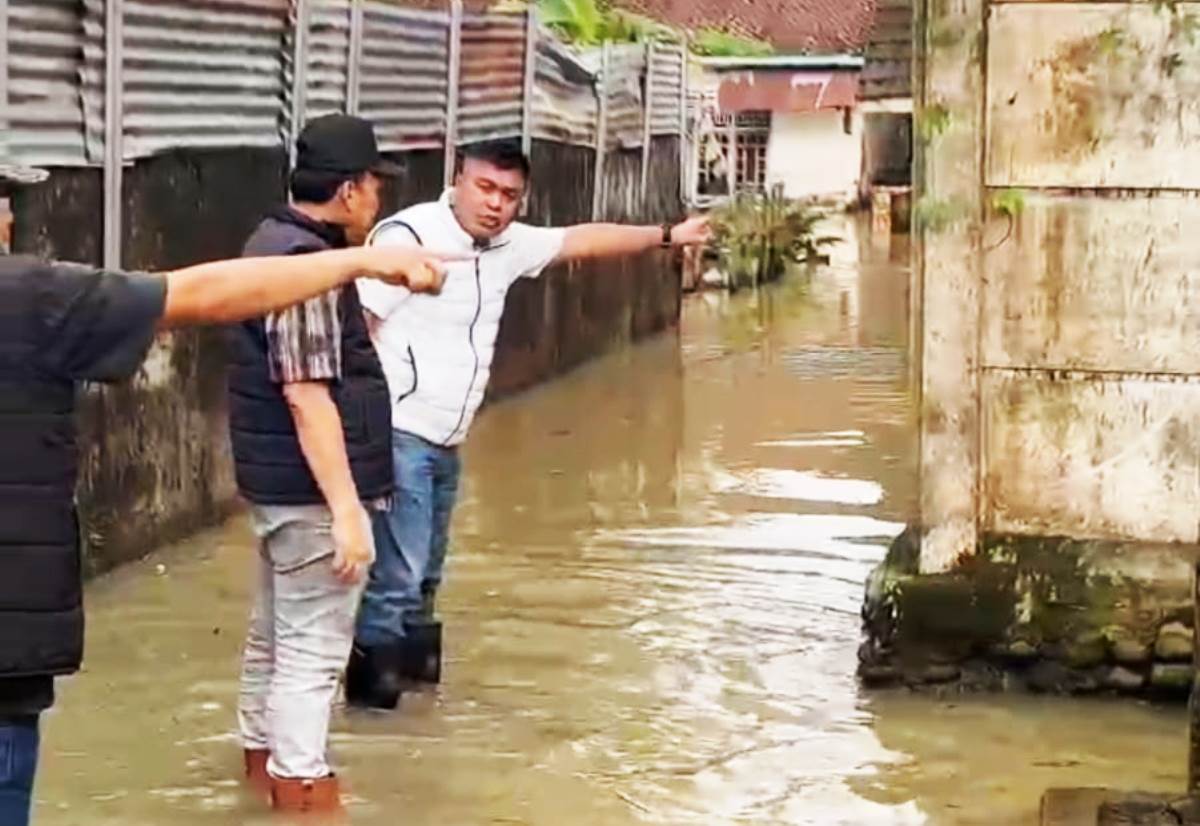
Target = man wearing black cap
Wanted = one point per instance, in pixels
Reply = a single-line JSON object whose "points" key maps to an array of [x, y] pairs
{"points": [[65, 323], [311, 425]]}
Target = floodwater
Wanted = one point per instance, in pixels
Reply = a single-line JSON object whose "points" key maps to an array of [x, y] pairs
{"points": [[652, 615]]}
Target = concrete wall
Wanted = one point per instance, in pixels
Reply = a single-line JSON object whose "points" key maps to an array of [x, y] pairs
{"points": [[156, 462], [155, 459], [813, 155], [1060, 391]]}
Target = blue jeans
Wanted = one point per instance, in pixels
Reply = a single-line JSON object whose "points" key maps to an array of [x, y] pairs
{"points": [[18, 765], [410, 539]]}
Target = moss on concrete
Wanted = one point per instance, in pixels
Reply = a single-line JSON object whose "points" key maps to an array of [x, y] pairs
{"points": [[1085, 606]]}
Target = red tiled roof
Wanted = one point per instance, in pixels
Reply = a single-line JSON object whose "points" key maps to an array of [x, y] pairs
{"points": [[818, 26]]}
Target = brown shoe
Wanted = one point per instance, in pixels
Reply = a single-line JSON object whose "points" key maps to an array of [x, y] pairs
{"points": [[256, 768], [296, 795]]}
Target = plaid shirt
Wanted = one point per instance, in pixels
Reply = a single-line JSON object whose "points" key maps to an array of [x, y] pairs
{"points": [[304, 342]]}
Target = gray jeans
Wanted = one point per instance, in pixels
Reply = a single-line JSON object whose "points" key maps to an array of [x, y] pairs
{"points": [[299, 640]]}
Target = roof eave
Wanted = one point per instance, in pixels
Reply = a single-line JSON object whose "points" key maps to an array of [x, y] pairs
{"points": [[784, 62]]}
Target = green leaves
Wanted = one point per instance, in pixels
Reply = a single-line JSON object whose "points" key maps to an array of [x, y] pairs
{"points": [[760, 235], [714, 43], [580, 22], [933, 121], [1110, 41], [594, 22], [936, 215], [591, 22], [1009, 202]]}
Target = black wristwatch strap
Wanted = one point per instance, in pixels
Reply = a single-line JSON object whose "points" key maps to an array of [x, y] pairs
{"points": [[667, 232]]}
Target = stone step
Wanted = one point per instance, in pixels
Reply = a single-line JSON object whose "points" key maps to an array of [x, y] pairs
{"points": [[1149, 810], [1104, 807], [1073, 807]]}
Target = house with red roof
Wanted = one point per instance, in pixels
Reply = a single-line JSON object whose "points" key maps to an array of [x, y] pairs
{"points": [[792, 26], [798, 119]]}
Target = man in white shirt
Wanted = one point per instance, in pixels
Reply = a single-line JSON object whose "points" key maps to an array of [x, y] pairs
{"points": [[437, 355]]}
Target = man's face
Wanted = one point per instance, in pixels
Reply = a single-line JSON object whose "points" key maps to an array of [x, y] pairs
{"points": [[360, 198], [487, 198]]}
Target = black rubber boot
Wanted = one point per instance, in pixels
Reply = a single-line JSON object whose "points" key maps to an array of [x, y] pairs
{"points": [[422, 658], [374, 676], [428, 601]]}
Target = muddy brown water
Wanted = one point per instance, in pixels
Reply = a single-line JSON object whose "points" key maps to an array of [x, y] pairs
{"points": [[652, 615]]}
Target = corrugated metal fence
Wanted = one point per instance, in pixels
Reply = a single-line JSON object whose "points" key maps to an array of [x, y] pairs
{"points": [[404, 75], [492, 77], [204, 73], [189, 74], [198, 73], [44, 74]]}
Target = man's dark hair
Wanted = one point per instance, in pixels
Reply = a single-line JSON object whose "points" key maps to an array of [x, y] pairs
{"points": [[502, 154], [311, 186]]}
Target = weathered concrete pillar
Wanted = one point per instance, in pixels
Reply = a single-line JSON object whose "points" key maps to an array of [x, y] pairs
{"points": [[949, 181], [1194, 700], [1056, 270]]}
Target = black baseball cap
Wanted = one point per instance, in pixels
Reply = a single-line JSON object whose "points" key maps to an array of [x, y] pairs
{"points": [[342, 144]]}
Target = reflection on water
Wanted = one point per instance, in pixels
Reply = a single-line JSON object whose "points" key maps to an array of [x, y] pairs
{"points": [[811, 487], [652, 616]]}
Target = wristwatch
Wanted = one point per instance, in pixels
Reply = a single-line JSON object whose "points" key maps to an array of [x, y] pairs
{"points": [[668, 231]]}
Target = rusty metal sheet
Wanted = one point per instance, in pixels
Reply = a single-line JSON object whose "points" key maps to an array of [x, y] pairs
{"points": [[1090, 457], [492, 76], [772, 90], [1092, 95], [666, 117], [626, 101], [565, 105], [1095, 283], [404, 75]]}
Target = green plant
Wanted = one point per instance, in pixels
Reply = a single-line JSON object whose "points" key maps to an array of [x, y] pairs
{"points": [[581, 22], [945, 35], [936, 215], [759, 235], [1009, 202], [933, 121], [591, 22], [594, 22], [715, 43], [1110, 41]]}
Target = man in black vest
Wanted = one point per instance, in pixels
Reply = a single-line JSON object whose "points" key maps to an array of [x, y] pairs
{"points": [[61, 324], [311, 429]]}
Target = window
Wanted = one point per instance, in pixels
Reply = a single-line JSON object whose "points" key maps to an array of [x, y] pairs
{"points": [[753, 138]]}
